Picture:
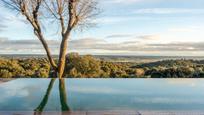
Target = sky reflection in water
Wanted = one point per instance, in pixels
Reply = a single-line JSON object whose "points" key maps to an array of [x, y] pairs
{"points": [[102, 94]]}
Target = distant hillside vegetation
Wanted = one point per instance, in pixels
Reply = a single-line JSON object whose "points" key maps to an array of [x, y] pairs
{"points": [[174, 69], [89, 67]]}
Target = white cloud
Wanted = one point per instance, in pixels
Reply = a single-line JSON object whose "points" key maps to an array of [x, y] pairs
{"points": [[123, 1], [168, 11], [100, 46], [109, 20], [149, 37], [119, 36], [186, 29], [119, 19]]}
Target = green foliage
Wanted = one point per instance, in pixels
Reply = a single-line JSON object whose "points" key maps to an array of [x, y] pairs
{"points": [[24, 68], [175, 69], [89, 67], [82, 66], [5, 73]]}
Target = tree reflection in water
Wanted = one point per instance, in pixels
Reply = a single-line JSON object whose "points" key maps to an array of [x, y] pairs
{"points": [[62, 94]]}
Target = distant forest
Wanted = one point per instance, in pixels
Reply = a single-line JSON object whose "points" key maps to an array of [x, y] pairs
{"points": [[88, 66]]}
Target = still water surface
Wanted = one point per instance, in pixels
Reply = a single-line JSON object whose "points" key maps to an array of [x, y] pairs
{"points": [[102, 94]]}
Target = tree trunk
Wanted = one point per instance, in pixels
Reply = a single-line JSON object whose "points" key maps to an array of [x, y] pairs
{"points": [[62, 57], [65, 37], [44, 43]]}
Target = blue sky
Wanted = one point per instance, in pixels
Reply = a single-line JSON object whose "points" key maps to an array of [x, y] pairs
{"points": [[125, 27]]}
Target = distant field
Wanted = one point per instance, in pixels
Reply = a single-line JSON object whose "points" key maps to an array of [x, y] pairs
{"points": [[145, 59], [115, 58]]}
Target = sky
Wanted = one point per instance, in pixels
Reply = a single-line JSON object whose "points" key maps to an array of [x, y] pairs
{"points": [[124, 27]]}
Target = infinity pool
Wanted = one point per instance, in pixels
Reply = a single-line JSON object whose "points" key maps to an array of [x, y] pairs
{"points": [[102, 94]]}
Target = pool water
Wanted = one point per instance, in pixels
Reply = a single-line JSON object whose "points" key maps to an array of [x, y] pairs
{"points": [[102, 94]]}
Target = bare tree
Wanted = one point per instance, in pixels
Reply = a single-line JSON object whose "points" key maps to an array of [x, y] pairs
{"points": [[70, 14]]}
